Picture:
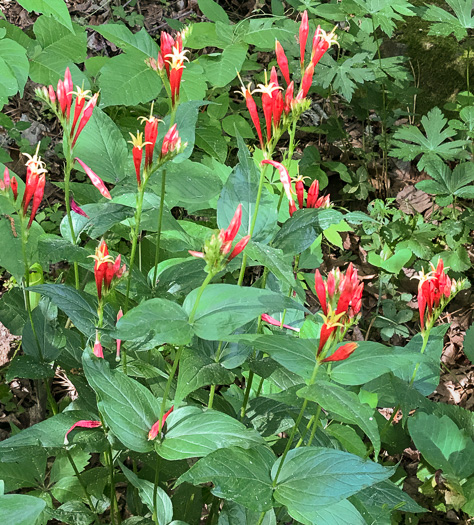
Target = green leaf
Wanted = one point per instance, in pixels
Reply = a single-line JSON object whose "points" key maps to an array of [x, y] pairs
{"points": [[190, 182], [239, 475], [277, 262], [126, 80], [468, 344], [340, 513], [193, 433], [348, 438], [234, 514], [296, 355], [103, 148], [234, 124], [19, 509], [129, 409], [79, 306], [446, 23], [155, 318], [163, 505], [300, 231], [344, 406], [223, 308], [346, 74], [209, 138], [269, 417], [10, 233], [28, 367], [213, 11], [219, 72], [49, 433], [196, 369], [242, 188], [432, 146], [447, 182], [13, 314], [193, 83], [68, 488], [14, 67], [53, 249], [178, 276], [23, 467], [56, 8], [443, 444], [312, 479], [387, 493], [371, 360], [138, 43]]}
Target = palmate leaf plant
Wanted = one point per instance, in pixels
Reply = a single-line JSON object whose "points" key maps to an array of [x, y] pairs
{"points": [[206, 389]]}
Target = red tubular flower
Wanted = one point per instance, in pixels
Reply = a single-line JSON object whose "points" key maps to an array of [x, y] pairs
{"points": [[175, 61], [6, 178], [151, 134], [68, 88], [278, 106], [14, 187], [303, 36], [119, 341], [166, 48], [95, 179], [326, 332], [52, 95], [299, 187], [268, 99], [343, 352], [274, 322], [78, 107], [155, 429], [62, 99], [216, 250], [239, 247], [105, 268], [86, 115], [342, 293], [307, 79], [321, 291], [171, 141], [137, 153], [98, 351], [434, 292], [37, 198], [34, 168], [83, 424], [288, 98], [321, 43], [282, 62], [252, 109], [77, 209]]}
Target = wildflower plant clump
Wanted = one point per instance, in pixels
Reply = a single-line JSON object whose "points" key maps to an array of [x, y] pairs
{"points": [[229, 302]]}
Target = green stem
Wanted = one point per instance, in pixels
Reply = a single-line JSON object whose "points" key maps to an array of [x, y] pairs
{"points": [[169, 381], [207, 280], [160, 222], [113, 500], [315, 426], [81, 481], [295, 428], [213, 387], [67, 198], [155, 489], [246, 395], [260, 386], [253, 222], [135, 233]]}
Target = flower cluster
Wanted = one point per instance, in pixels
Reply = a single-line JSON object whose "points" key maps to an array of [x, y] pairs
{"points": [[170, 62], [9, 182], [105, 268], [61, 102], [171, 145], [34, 185], [340, 298], [217, 251], [278, 108], [435, 290], [312, 200]]}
